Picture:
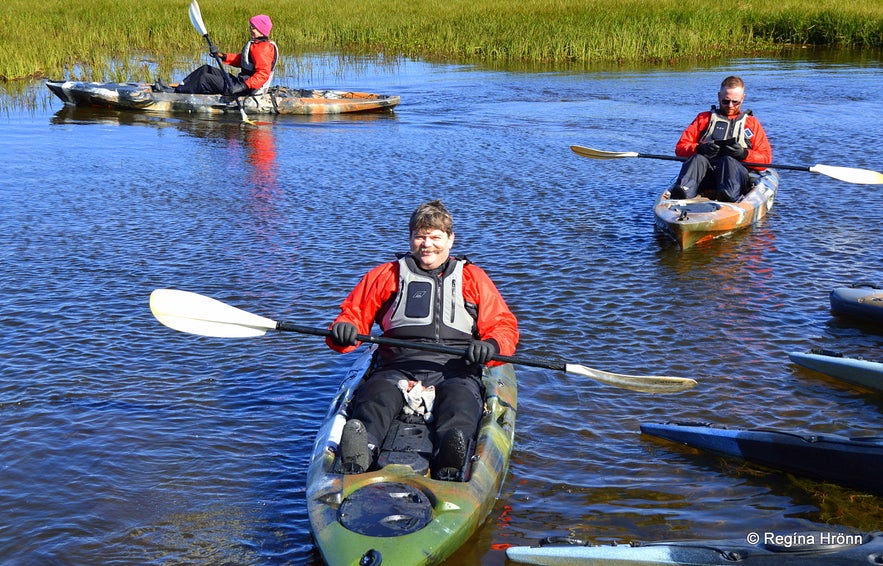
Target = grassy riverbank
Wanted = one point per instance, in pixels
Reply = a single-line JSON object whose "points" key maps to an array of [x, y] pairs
{"points": [[124, 39]]}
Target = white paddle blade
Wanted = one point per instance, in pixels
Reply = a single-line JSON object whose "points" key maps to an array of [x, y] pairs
{"points": [[598, 154], [642, 383], [850, 174], [197, 314], [196, 18]]}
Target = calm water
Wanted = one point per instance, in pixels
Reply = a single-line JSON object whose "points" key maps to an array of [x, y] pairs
{"points": [[122, 441]]}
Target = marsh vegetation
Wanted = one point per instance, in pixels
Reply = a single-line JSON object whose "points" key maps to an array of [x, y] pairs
{"points": [[126, 40]]}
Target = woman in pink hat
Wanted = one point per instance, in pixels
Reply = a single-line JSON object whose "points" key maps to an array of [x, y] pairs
{"points": [[256, 62]]}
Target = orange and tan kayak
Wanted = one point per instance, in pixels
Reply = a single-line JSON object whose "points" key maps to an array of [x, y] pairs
{"points": [[696, 220]]}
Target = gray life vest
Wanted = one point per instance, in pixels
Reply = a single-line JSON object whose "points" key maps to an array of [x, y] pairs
{"points": [[247, 65], [430, 307], [721, 128]]}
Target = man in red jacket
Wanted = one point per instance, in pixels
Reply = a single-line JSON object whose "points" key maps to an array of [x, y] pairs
{"points": [[426, 295], [716, 143], [256, 62]]}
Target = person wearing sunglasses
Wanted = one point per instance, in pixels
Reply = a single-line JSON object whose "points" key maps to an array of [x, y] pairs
{"points": [[716, 144]]}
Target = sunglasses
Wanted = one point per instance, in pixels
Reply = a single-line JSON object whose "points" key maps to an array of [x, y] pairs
{"points": [[731, 102]]}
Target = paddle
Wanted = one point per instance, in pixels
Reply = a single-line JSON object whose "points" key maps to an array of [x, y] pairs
{"points": [[848, 174], [198, 314], [196, 20]]}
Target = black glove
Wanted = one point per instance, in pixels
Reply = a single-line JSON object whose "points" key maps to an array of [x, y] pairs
{"points": [[344, 334], [213, 50], [481, 351], [239, 88], [709, 150], [735, 151]]}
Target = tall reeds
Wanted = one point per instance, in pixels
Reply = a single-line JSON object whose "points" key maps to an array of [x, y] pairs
{"points": [[129, 40]]}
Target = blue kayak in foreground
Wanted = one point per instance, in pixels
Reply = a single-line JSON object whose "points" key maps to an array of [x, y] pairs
{"points": [[854, 370], [854, 462], [823, 548], [862, 302]]}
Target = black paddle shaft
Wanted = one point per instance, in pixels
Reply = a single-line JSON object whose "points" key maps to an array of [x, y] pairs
{"points": [[426, 346], [745, 163], [217, 58]]}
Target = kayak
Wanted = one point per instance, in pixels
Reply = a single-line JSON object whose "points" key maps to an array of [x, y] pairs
{"points": [[854, 370], [861, 301], [811, 548], [850, 461], [277, 100], [398, 514], [691, 221]]}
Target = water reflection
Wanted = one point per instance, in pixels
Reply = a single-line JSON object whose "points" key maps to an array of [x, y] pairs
{"points": [[261, 150], [746, 248], [252, 145]]}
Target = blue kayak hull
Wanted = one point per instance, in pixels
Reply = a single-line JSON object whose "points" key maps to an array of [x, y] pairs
{"points": [[852, 462], [853, 370], [861, 302]]}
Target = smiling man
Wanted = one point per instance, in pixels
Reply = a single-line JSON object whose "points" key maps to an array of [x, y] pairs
{"points": [[715, 145], [426, 295]]}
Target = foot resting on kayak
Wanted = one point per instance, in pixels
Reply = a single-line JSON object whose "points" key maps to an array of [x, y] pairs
{"points": [[678, 192], [355, 454], [451, 457], [160, 86]]}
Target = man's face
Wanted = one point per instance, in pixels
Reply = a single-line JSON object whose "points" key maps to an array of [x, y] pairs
{"points": [[730, 100], [431, 248]]}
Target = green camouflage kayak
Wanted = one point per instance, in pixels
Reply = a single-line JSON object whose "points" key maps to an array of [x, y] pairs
{"points": [[397, 514], [142, 97]]}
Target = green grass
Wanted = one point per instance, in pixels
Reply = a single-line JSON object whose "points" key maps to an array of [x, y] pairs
{"points": [[128, 40]]}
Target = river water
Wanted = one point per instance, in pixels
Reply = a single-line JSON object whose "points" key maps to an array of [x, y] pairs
{"points": [[122, 441]]}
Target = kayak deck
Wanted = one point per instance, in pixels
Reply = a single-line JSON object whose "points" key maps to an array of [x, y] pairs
{"points": [[397, 514], [692, 221], [277, 100], [809, 548]]}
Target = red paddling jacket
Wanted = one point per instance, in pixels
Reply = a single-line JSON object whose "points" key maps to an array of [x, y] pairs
{"points": [[257, 61]]}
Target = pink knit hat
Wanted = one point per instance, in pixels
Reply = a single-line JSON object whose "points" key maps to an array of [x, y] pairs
{"points": [[262, 23]]}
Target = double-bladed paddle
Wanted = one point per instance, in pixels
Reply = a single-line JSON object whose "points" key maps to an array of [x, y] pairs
{"points": [[847, 174], [196, 20], [198, 314]]}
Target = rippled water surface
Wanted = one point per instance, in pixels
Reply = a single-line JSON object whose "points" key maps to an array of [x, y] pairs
{"points": [[122, 441]]}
